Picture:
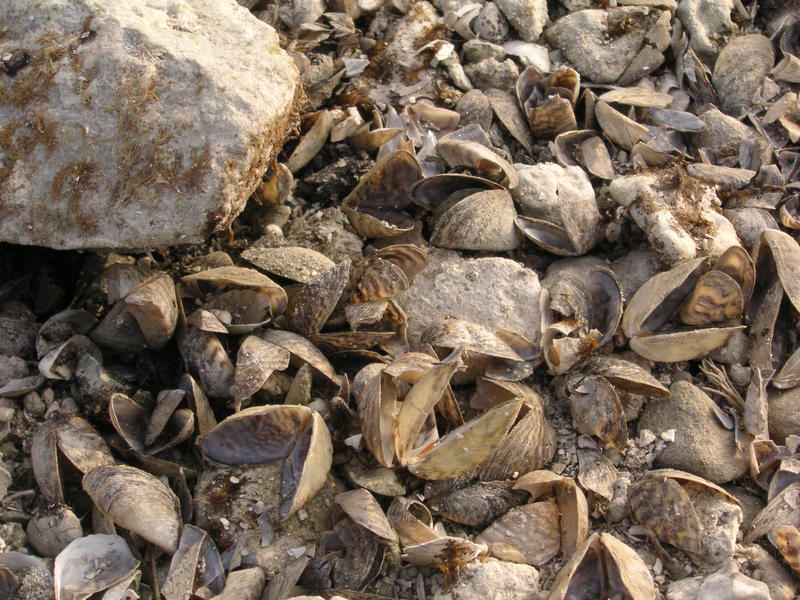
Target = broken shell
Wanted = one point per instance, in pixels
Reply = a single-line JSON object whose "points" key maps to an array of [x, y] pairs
{"points": [[571, 502], [60, 362], [786, 538], [603, 567], [620, 129], [255, 362], [548, 101], [432, 192], [312, 305], [784, 252], [130, 420], [77, 441], [781, 510], [195, 565], [443, 551], [376, 207], [637, 96], [508, 112], [412, 521], [681, 345], [627, 376], [313, 140], [138, 502], [584, 148], [92, 564], [295, 434], [222, 278], [464, 153], [62, 326], [300, 348], [481, 221], [362, 507]]}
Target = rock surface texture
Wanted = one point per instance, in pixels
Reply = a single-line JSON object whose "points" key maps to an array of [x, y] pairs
{"points": [[135, 124]]}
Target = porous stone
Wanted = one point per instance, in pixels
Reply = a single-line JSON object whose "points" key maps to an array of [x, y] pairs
{"points": [[784, 414], [528, 17], [749, 223], [495, 579], [740, 70], [492, 73], [601, 44], [136, 124], [782, 585], [707, 23], [477, 50], [543, 186], [493, 292], [243, 584], [702, 445]]}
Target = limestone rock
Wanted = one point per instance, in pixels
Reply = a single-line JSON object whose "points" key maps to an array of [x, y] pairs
{"points": [[136, 124], [725, 584], [493, 292], [528, 17], [702, 445], [492, 73], [495, 579], [601, 44]]}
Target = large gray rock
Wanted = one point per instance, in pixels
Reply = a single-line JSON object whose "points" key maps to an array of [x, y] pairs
{"points": [[708, 22], [601, 44], [702, 445], [135, 124], [740, 70], [527, 16], [493, 292]]}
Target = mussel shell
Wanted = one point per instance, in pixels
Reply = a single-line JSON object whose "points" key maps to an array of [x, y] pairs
{"points": [[481, 221], [678, 346], [716, 297]]}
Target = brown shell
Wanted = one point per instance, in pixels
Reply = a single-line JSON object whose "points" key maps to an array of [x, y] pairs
{"points": [[716, 297]]}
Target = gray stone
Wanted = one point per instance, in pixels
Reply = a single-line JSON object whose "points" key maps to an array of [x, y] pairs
{"points": [[543, 186], [784, 414], [702, 445], [476, 50], [782, 585], [749, 223], [720, 518], [740, 70], [589, 39], [492, 73], [493, 292], [634, 268], [707, 22], [136, 124], [11, 367], [528, 17], [490, 24], [495, 579], [722, 132], [725, 584], [328, 232]]}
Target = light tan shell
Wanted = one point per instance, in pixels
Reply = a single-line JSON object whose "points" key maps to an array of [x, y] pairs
{"points": [[623, 131], [138, 502], [482, 221]]}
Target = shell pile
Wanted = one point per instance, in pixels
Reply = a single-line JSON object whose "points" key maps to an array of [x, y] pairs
{"points": [[347, 397]]}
